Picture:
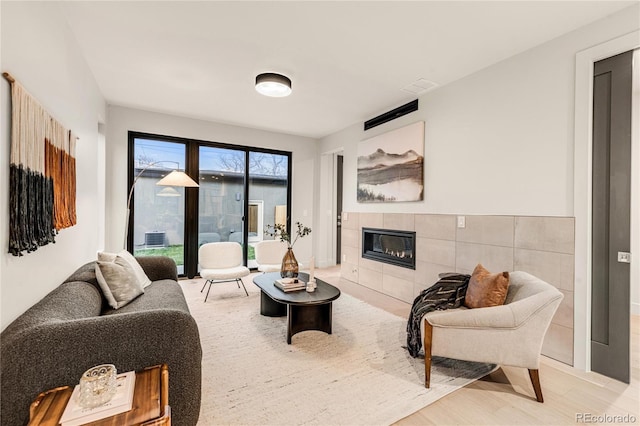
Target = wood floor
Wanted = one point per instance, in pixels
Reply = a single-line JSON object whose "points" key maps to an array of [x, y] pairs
{"points": [[505, 397]]}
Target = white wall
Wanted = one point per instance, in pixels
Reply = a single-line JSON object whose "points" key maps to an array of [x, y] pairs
{"points": [[39, 50], [499, 141], [122, 120]]}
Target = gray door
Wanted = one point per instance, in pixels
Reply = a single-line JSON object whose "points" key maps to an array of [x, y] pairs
{"points": [[610, 304]]}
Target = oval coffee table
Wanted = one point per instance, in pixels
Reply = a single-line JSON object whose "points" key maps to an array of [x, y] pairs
{"points": [[305, 311]]}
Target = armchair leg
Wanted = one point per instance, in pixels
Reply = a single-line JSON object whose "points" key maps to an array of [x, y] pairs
{"points": [[210, 283], [428, 333], [245, 289], [535, 381]]}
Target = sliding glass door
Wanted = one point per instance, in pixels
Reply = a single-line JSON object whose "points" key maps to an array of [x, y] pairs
{"points": [[242, 190], [159, 211], [268, 196], [221, 196]]}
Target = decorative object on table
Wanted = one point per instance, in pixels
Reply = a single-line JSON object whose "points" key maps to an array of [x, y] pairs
{"points": [[42, 174], [311, 284], [97, 386], [290, 284], [289, 268], [175, 178], [391, 166], [75, 414]]}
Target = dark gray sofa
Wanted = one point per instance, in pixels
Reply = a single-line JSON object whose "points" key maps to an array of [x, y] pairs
{"points": [[73, 328]]}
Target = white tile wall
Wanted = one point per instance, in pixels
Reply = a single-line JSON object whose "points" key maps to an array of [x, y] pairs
{"points": [[542, 246], [399, 221], [371, 220], [436, 226], [556, 234], [490, 230], [555, 268], [494, 258], [370, 278], [398, 288], [441, 252]]}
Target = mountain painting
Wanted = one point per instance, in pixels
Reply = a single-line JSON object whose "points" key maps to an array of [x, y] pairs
{"points": [[391, 166]]}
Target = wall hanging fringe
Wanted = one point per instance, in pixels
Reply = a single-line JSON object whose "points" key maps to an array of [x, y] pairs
{"points": [[42, 193]]}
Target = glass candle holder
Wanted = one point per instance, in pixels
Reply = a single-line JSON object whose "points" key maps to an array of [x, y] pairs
{"points": [[97, 386]]}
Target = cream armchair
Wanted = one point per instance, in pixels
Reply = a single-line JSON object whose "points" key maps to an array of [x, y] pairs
{"points": [[269, 254], [510, 334]]}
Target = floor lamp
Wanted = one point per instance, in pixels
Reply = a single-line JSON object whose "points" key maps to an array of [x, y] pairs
{"points": [[175, 178]]}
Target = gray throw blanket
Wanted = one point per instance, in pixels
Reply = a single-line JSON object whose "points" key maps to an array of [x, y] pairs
{"points": [[447, 293]]}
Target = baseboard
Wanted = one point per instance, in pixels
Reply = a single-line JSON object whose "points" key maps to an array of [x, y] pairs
{"points": [[326, 263], [635, 308]]}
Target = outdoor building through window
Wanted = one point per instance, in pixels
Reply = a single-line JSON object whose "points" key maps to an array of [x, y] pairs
{"points": [[242, 190]]}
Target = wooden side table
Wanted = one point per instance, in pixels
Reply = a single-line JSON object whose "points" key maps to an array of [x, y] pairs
{"points": [[150, 403]]}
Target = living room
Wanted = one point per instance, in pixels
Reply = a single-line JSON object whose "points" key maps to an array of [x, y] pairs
{"points": [[503, 143]]}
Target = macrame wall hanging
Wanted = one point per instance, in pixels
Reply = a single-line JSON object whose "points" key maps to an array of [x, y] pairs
{"points": [[42, 176]]}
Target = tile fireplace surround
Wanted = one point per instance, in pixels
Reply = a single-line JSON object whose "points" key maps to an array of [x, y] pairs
{"points": [[542, 246]]}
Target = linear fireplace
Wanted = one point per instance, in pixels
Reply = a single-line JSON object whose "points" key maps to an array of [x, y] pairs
{"points": [[389, 246]]}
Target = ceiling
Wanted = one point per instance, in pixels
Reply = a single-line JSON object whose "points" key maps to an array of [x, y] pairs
{"points": [[348, 61]]}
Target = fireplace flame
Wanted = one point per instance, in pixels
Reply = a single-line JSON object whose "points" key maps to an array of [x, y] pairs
{"points": [[401, 254]]}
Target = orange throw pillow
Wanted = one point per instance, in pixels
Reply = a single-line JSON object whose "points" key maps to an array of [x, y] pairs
{"points": [[486, 289]]}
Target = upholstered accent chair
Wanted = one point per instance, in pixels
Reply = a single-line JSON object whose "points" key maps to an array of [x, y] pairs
{"points": [[269, 254], [510, 334], [222, 262]]}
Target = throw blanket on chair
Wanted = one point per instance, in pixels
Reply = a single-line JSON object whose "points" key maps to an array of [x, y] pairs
{"points": [[447, 293]]}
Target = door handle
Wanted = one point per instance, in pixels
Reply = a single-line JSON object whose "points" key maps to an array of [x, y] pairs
{"points": [[624, 257]]}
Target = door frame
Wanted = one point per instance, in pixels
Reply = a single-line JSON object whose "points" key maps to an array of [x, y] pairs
{"points": [[326, 247], [582, 199]]}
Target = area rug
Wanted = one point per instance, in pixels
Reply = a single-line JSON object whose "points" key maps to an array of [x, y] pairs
{"points": [[359, 375]]}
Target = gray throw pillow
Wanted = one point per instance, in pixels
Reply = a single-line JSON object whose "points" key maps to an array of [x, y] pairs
{"points": [[141, 276], [118, 281]]}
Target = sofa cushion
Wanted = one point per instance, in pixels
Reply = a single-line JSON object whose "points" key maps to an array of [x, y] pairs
{"points": [[141, 276], [159, 295], [486, 289], [118, 281]]}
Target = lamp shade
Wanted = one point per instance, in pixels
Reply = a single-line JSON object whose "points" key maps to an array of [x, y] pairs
{"points": [[274, 85], [177, 178]]}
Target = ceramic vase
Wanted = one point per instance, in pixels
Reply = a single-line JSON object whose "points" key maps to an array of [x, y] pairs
{"points": [[289, 267]]}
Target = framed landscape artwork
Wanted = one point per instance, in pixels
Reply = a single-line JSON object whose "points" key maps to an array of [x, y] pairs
{"points": [[391, 166]]}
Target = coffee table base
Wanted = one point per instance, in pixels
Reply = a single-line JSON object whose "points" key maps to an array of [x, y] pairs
{"points": [[271, 308], [312, 317], [300, 317]]}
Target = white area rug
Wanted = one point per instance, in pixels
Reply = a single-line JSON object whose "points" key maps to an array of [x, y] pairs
{"points": [[359, 375]]}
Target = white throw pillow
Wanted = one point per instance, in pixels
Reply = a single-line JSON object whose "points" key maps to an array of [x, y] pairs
{"points": [[118, 281], [142, 277]]}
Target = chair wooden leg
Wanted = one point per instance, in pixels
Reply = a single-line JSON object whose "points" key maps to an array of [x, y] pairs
{"points": [[428, 333], [535, 381]]}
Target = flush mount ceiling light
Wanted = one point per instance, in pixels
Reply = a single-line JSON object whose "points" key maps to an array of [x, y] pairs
{"points": [[274, 85]]}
